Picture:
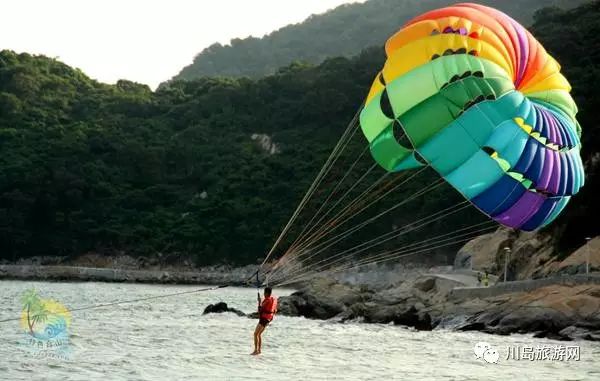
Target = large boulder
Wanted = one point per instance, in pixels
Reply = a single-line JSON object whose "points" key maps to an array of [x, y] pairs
{"points": [[411, 317], [323, 298], [529, 251], [305, 304], [399, 314], [577, 261], [547, 312], [374, 313], [481, 253], [534, 318], [532, 255]]}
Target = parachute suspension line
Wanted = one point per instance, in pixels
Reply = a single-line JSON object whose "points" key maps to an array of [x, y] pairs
{"points": [[355, 203], [308, 239], [300, 252], [359, 226], [442, 238], [303, 249], [393, 255], [405, 229], [339, 147], [421, 247], [310, 236], [334, 190], [334, 223], [413, 246], [333, 240], [358, 265], [338, 223]]}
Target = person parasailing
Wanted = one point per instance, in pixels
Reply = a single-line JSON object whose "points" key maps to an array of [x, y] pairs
{"points": [[266, 312]]}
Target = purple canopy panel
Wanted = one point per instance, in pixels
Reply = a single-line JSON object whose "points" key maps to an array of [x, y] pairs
{"points": [[564, 174], [550, 128], [554, 184], [558, 131], [549, 163], [522, 210], [570, 174], [568, 138], [539, 121]]}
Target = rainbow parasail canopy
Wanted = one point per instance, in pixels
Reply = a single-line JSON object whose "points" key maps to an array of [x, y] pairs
{"points": [[470, 92]]}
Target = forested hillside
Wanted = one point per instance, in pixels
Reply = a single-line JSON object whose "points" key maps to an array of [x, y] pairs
{"points": [[88, 166], [343, 31]]}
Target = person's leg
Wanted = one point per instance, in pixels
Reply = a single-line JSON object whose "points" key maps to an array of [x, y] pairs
{"points": [[260, 332], [256, 338]]}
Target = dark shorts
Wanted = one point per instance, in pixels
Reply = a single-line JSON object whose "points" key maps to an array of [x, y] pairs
{"points": [[263, 322]]}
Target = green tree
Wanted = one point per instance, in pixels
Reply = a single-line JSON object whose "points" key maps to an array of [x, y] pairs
{"points": [[34, 309]]}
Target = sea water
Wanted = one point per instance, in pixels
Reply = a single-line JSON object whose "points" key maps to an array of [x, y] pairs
{"points": [[170, 339]]}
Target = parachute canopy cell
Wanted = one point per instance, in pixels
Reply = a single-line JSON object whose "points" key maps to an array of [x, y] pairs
{"points": [[477, 98]]}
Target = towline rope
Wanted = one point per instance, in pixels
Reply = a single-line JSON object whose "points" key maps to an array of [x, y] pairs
{"points": [[118, 302]]}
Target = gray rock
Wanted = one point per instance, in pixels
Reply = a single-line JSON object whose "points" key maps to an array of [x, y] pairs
{"points": [[399, 315], [471, 326], [413, 318], [425, 284], [423, 302], [266, 143], [286, 305], [551, 336], [354, 312], [463, 260], [220, 308], [535, 319], [579, 333], [450, 322], [374, 313], [481, 252], [307, 305]]}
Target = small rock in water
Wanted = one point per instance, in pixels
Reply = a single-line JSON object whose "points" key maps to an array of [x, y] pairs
{"points": [[220, 308]]}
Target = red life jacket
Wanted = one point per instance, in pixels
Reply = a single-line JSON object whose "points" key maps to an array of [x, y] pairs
{"points": [[268, 308]]}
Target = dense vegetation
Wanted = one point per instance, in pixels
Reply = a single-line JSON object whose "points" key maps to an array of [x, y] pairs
{"points": [[88, 166], [343, 31]]}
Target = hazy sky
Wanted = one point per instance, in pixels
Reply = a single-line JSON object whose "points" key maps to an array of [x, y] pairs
{"points": [[147, 41]]}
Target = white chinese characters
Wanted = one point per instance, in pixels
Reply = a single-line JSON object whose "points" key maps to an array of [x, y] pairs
{"points": [[485, 351], [544, 353]]}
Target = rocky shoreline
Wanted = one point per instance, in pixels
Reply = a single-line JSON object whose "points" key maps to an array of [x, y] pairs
{"points": [[120, 267], [561, 311], [214, 275]]}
